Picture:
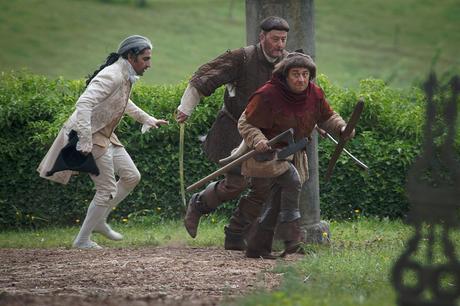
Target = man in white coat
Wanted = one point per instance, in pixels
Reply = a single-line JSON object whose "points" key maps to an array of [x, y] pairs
{"points": [[98, 112]]}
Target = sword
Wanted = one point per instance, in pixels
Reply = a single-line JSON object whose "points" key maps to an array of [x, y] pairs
{"points": [[343, 139], [357, 161]]}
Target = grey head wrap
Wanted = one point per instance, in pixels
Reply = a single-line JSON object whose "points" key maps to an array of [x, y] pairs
{"points": [[134, 41]]}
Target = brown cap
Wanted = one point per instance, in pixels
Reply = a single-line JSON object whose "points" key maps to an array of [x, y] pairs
{"points": [[274, 23], [295, 60]]}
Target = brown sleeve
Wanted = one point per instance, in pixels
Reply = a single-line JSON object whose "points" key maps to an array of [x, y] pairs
{"points": [[329, 119], [251, 134], [221, 70], [259, 113]]}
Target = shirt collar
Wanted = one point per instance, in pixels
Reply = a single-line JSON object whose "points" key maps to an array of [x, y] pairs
{"points": [[132, 75], [269, 58]]}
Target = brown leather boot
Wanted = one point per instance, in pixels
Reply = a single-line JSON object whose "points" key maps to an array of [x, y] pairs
{"points": [[192, 216], [243, 217], [234, 241], [200, 204], [260, 242], [292, 236]]}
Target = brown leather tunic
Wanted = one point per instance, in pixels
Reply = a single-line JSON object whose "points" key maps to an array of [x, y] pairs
{"points": [[247, 69]]}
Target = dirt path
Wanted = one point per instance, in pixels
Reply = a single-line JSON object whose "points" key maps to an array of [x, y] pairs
{"points": [[132, 277]]}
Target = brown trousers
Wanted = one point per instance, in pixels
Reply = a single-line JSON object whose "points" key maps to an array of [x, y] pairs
{"points": [[230, 188], [282, 197]]}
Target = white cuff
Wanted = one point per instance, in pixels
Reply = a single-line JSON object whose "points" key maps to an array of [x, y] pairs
{"points": [[189, 100], [84, 145]]}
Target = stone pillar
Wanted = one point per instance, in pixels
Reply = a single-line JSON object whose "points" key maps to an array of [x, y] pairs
{"points": [[298, 13], [300, 16]]}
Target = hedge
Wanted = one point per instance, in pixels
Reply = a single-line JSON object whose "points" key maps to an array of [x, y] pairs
{"points": [[33, 108]]}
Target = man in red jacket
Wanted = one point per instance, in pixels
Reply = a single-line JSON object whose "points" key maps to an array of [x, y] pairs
{"points": [[289, 100]]}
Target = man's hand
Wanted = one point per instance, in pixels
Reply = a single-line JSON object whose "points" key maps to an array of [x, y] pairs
{"points": [[347, 137], [152, 122], [84, 145], [155, 123], [321, 132], [262, 146], [181, 117]]}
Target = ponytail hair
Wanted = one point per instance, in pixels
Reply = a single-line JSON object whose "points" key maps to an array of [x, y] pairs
{"points": [[112, 58]]}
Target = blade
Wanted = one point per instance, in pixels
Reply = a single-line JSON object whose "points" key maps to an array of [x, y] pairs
{"points": [[348, 129], [357, 161], [287, 137], [291, 149]]}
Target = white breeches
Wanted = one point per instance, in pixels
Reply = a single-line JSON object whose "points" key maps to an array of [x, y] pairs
{"points": [[115, 162]]}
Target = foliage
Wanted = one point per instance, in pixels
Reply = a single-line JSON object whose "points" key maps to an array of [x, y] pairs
{"points": [[388, 137], [33, 108]]}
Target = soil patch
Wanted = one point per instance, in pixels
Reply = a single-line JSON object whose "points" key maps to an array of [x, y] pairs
{"points": [[132, 277]]}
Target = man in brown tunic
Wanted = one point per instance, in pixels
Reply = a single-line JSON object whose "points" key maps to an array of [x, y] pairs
{"points": [[242, 71]]}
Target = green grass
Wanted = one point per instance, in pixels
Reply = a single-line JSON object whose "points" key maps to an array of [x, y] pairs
{"points": [[353, 270], [140, 232], [396, 40], [71, 38]]}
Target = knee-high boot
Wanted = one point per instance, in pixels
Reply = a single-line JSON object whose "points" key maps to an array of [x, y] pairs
{"points": [[200, 204], [259, 243], [102, 227], [94, 215], [291, 235], [240, 223], [260, 236]]}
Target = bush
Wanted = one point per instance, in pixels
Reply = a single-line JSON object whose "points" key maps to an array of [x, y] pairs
{"points": [[33, 108], [387, 141], [32, 111]]}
